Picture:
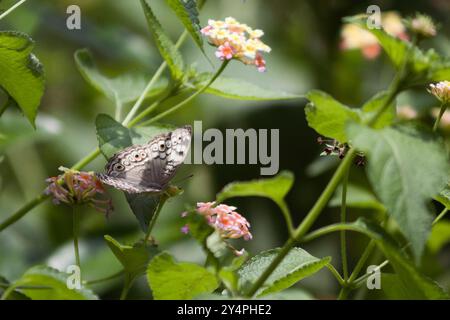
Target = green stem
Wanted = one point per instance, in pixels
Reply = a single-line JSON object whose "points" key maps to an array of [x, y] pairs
{"points": [[190, 98], [287, 217], [336, 274], [86, 160], [15, 6], [119, 107], [76, 231], [343, 294], [343, 220], [152, 82], [308, 221], [113, 276], [23, 211], [155, 217], [440, 216], [444, 106], [126, 287], [361, 279], [148, 110], [362, 260]]}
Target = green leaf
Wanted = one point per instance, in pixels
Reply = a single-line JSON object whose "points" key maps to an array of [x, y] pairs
{"points": [[328, 116], [134, 258], [439, 237], [21, 73], [114, 137], [444, 197], [239, 89], [406, 169], [441, 70], [173, 280], [14, 294], [275, 188], [290, 294], [357, 197], [371, 107], [123, 89], [393, 287], [56, 282], [143, 206], [187, 12], [417, 284], [165, 46], [297, 264]]}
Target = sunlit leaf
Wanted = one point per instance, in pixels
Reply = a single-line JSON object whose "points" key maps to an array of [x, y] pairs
{"points": [[440, 236], [165, 46], [55, 283], [233, 88], [187, 12], [134, 258], [275, 188], [328, 116], [371, 107], [21, 74], [169, 279], [298, 264]]}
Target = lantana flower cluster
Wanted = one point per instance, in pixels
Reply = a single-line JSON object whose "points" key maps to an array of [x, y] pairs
{"points": [[238, 41], [355, 37], [75, 187], [225, 219]]}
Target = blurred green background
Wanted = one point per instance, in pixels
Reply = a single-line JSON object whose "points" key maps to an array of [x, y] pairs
{"points": [[304, 36]]}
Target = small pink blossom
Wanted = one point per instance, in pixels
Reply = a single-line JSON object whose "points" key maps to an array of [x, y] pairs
{"points": [[185, 229], [260, 63], [225, 219], [225, 51], [205, 208]]}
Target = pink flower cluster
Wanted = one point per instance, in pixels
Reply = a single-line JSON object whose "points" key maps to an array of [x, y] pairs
{"points": [[235, 40], [226, 220], [75, 187]]}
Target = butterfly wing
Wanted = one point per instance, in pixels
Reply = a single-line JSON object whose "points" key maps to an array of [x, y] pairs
{"points": [[149, 167]]}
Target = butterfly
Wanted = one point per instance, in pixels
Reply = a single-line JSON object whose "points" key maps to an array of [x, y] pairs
{"points": [[148, 168]]}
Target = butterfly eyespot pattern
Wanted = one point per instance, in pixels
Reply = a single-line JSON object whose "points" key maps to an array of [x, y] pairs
{"points": [[148, 168], [119, 167]]}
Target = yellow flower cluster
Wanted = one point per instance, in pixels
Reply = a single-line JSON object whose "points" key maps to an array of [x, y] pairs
{"points": [[235, 40]]}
